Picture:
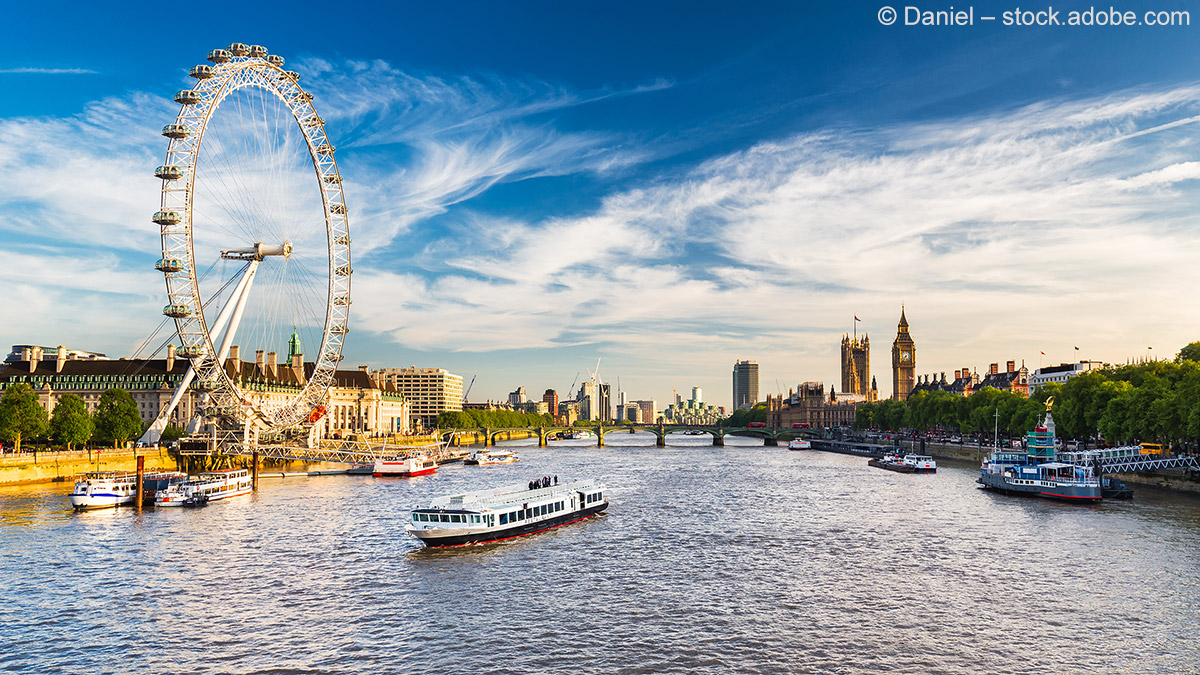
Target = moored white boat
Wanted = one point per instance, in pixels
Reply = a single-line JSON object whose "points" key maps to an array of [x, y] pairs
{"points": [[156, 481], [209, 486], [799, 444], [920, 463], [104, 489], [505, 512], [492, 456], [415, 465]]}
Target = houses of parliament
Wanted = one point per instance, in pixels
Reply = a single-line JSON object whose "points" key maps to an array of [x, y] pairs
{"points": [[856, 364]]}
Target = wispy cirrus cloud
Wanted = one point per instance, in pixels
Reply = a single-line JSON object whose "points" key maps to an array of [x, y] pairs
{"points": [[411, 146], [47, 71], [1063, 209], [457, 136]]}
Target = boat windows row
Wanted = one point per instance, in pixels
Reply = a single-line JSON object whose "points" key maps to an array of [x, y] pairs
{"points": [[594, 497], [463, 518], [531, 512]]}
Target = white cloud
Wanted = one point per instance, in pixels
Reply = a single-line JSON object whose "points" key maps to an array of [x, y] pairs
{"points": [[47, 71], [1002, 233]]}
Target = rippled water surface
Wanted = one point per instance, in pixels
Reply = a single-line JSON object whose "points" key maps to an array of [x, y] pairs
{"points": [[735, 559]]}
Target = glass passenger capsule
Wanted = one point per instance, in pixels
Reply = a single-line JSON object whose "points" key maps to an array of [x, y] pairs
{"points": [[201, 72], [166, 217], [333, 178], [292, 74], [275, 60], [169, 172], [342, 240], [257, 51], [342, 300], [238, 49], [342, 270], [337, 208], [314, 121], [218, 56], [177, 311], [324, 149], [339, 329], [187, 97], [169, 265], [188, 352], [305, 96], [176, 131]]}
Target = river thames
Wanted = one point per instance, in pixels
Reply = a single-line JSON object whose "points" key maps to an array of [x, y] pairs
{"points": [[738, 559]]}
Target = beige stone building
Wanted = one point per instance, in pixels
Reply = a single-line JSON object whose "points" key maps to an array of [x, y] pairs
{"points": [[356, 404]]}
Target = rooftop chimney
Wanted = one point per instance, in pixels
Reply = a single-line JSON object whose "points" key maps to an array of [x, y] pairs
{"points": [[259, 361], [993, 369], [35, 355], [170, 357], [957, 374], [298, 367], [1012, 366], [60, 359], [272, 366], [362, 369], [235, 355]]}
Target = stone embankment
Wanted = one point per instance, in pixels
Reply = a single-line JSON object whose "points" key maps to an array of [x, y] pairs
{"points": [[47, 467]]}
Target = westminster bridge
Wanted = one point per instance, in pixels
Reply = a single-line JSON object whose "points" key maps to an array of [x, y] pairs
{"points": [[490, 435]]}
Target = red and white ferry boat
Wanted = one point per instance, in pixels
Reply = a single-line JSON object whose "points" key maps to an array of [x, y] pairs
{"points": [[414, 465]]}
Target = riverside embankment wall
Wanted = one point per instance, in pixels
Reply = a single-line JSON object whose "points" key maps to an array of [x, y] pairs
{"points": [[46, 467]]}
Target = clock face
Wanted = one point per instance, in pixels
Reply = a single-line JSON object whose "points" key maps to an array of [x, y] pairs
{"points": [[906, 356]]}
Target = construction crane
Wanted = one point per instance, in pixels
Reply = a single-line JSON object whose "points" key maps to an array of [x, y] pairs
{"points": [[571, 392], [468, 390]]}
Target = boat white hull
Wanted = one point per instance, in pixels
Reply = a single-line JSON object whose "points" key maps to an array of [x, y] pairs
{"points": [[100, 501]]}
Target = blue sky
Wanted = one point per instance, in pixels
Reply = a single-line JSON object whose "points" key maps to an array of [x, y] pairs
{"points": [[669, 186]]}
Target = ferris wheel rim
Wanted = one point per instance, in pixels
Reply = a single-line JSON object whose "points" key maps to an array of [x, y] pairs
{"points": [[251, 68]]}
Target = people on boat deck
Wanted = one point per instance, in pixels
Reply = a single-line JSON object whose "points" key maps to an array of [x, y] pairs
{"points": [[543, 482]]}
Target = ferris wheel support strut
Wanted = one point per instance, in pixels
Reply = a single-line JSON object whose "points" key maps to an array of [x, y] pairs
{"points": [[234, 307]]}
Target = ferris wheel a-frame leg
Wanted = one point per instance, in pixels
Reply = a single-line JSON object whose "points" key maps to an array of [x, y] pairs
{"points": [[234, 307]]}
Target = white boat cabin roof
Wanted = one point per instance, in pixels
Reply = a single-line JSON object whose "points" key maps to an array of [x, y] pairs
{"points": [[512, 494]]}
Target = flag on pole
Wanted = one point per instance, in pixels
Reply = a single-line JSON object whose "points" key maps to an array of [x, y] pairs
{"points": [[856, 318], [1043, 353], [1077, 349]]}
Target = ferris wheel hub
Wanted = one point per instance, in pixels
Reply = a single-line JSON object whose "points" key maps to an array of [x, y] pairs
{"points": [[258, 251]]}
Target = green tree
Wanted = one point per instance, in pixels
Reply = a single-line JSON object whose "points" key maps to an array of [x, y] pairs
{"points": [[1189, 353], [21, 416], [117, 418], [172, 433], [71, 424]]}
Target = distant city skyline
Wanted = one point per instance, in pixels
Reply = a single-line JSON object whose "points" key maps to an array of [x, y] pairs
{"points": [[527, 195]]}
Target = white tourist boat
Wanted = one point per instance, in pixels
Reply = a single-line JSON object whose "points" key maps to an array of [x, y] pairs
{"points": [[920, 463], [799, 444], [412, 465], [104, 489], [504, 513], [209, 486], [492, 456]]}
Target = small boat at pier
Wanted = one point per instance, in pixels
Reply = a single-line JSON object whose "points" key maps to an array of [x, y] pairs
{"points": [[504, 513], [156, 481], [209, 486], [104, 489], [405, 467], [492, 456], [799, 444], [891, 462]]}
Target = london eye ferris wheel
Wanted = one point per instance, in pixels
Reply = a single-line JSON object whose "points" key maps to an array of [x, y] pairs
{"points": [[255, 237]]}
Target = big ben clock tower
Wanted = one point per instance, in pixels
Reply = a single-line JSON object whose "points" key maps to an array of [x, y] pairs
{"points": [[904, 361]]}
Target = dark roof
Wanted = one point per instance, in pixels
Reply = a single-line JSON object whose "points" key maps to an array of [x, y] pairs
{"points": [[131, 367]]}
